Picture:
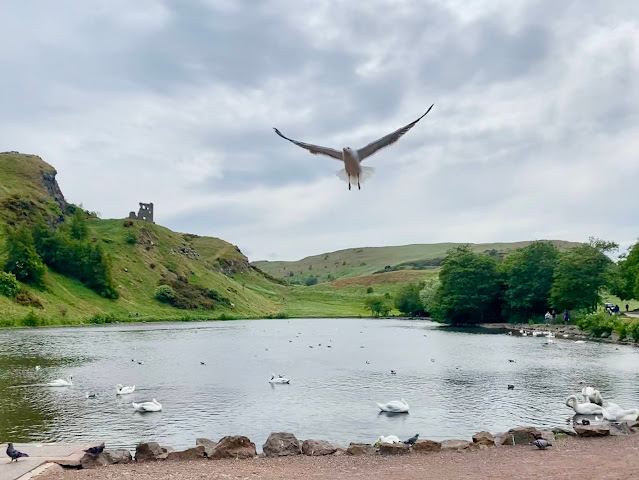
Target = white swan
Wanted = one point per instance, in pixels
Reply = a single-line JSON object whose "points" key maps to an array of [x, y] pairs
{"points": [[276, 379], [592, 395], [61, 383], [152, 406], [394, 406], [388, 439], [583, 408], [614, 413], [120, 390]]}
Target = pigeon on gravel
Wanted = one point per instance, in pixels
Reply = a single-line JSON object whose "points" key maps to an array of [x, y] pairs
{"points": [[541, 443], [14, 454], [412, 440]]}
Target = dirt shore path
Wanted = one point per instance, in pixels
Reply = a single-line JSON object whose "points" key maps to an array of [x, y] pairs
{"points": [[610, 458]]}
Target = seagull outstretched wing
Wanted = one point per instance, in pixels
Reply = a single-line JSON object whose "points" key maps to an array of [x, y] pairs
{"points": [[314, 149], [389, 139]]}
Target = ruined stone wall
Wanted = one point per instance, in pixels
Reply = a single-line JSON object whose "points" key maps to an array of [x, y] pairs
{"points": [[145, 213]]}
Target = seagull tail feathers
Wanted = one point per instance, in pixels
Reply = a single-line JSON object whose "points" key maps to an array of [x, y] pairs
{"points": [[367, 172]]}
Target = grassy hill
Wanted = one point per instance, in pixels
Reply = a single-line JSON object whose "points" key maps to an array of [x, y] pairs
{"points": [[366, 261], [141, 254]]}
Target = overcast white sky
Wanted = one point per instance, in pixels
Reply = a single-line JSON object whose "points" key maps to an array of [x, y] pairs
{"points": [[534, 133]]}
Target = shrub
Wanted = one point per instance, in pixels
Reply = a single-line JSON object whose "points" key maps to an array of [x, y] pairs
{"points": [[25, 299], [369, 290], [633, 331], [131, 238], [101, 318], [165, 294], [377, 306], [22, 259], [598, 323], [310, 281], [31, 320], [217, 296], [9, 285]]}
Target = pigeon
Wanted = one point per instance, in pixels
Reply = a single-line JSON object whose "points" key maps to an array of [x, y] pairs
{"points": [[511, 387], [14, 454], [97, 450], [353, 158], [541, 443], [412, 440]]}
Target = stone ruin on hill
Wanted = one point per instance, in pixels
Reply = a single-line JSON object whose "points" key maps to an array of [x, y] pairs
{"points": [[145, 213]]}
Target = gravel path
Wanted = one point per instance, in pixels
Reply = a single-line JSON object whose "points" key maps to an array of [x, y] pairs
{"points": [[571, 458]]}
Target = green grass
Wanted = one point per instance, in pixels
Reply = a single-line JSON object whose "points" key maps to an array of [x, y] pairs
{"points": [[355, 262]]}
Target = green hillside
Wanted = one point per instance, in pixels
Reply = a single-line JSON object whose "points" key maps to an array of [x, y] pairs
{"points": [[142, 254], [355, 262]]}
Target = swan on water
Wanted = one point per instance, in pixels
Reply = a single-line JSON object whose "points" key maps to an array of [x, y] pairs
{"points": [[61, 383], [583, 408], [280, 379], [120, 390], [394, 406], [152, 406], [614, 413], [388, 439], [592, 395]]}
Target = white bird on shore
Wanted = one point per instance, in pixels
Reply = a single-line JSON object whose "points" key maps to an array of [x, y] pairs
{"points": [[152, 406], [387, 439], [583, 408], [351, 158], [61, 383], [394, 406], [37, 367], [614, 413], [278, 379], [120, 390], [579, 341]]}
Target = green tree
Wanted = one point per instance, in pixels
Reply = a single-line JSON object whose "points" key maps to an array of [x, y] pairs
{"points": [[165, 294], [9, 285], [22, 259], [78, 228], [625, 283], [580, 275], [377, 306], [528, 276], [407, 300], [428, 294], [470, 288]]}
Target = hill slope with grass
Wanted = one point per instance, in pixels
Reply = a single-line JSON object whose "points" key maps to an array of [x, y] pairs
{"points": [[366, 261], [210, 274]]}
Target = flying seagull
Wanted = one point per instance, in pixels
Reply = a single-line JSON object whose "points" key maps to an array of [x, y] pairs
{"points": [[353, 158], [14, 454]]}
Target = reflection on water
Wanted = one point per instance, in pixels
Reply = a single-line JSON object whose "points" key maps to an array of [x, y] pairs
{"points": [[333, 391]]}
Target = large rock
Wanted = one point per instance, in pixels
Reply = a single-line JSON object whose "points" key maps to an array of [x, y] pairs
{"points": [[149, 452], [563, 431], [281, 444], [234, 447], [361, 449], [394, 449], [209, 445], [195, 453], [425, 446], [317, 447], [118, 455], [484, 438], [519, 436], [457, 445], [93, 461], [592, 430], [622, 428]]}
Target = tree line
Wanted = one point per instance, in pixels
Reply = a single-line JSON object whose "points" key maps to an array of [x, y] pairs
{"points": [[477, 288], [66, 249]]}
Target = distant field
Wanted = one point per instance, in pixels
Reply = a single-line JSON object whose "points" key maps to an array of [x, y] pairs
{"points": [[355, 262]]}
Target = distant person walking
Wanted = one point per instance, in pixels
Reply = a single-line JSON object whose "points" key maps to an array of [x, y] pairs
{"points": [[627, 307], [554, 315], [566, 316], [617, 309], [547, 317]]}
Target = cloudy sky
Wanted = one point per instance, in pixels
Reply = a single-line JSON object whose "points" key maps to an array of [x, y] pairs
{"points": [[534, 133]]}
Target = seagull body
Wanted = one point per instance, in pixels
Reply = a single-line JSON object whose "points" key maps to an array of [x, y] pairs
{"points": [[14, 454], [352, 158]]}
